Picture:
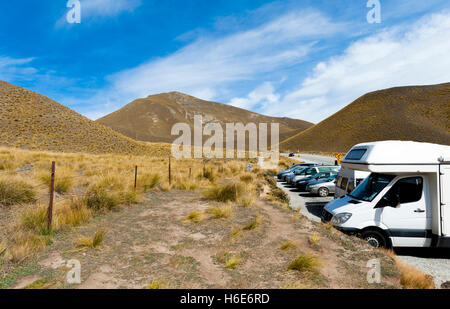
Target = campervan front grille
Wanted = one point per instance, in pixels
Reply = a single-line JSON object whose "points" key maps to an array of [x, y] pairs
{"points": [[326, 216]]}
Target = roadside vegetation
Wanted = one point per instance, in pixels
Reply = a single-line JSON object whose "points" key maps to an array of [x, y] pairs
{"points": [[235, 221]]}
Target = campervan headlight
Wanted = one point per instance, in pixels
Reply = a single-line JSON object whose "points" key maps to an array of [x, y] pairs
{"points": [[341, 218]]}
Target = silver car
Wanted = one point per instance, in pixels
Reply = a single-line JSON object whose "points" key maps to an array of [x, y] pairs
{"points": [[323, 187]]}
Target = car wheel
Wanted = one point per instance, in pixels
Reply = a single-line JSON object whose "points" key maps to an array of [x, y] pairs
{"points": [[323, 192], [375, 239]]}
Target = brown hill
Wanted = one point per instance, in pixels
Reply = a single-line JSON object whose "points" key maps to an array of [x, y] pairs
{"points": [[419, 113], [32, 121], [151, 119]]}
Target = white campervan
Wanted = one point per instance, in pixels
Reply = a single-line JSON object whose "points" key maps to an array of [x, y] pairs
{"points": [[405, 202], [347, 181]]}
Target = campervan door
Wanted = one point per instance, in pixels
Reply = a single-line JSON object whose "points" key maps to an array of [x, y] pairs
{"points": [[445, 198]]}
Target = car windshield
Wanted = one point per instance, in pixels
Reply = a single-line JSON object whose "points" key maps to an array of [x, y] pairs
{"points": [[329, 179], [371, 187]]}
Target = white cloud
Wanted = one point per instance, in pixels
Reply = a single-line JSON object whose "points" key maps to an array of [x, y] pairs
{"points": [[417, 55], [262, 97], [16, 68], [107, 8], [208, 65]]}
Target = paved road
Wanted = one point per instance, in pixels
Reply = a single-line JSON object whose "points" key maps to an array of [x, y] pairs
{"points": [[435, 262]]}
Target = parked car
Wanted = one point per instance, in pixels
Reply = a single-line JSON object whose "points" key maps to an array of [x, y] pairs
{"points": [[295, 167], [314, 170], [322, 187], [291, 155], [302, 183]]}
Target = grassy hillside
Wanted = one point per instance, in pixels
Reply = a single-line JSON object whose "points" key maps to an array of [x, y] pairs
{"points": [[151, 119], [32, 121], [418, 113]]}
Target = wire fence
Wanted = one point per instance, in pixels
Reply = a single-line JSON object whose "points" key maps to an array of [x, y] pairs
{"points": [[53, 173]]}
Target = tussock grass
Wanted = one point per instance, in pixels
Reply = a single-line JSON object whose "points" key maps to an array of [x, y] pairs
{"points": [[232, 262], [229, 192], [63, 180], [304, 262], [14, 192], [41, 284], [247, 201], [92, 242], [223, 212], [99, 199], [287, 245], [156, 285], [314, 239], [412, 278], [247, 178], [253, 224], [194, 216], [149, 181], [229, 260]]}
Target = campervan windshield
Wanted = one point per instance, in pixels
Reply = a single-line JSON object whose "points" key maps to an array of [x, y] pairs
{"points": [[371, 187]]}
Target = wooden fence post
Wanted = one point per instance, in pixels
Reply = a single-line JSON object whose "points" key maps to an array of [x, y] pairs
{"points": [[135, 177], [170, 171], [52, 194], [190, 172]]}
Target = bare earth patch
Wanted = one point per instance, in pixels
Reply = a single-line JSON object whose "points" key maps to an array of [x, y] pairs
{"points": [[150, 242]]}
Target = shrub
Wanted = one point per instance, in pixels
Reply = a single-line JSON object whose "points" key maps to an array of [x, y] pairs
{"points": [[149, 181], [194, 216], [34, 219], [304, 263], [279, 195], [220, 212], [63, 181], [227, 193], [287, 245], [100, 199], [253, 225], [92, 242], [15, 192], [247, 178]]}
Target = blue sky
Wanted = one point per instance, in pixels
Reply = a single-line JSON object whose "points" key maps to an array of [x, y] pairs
{"points": [[300, 59]]}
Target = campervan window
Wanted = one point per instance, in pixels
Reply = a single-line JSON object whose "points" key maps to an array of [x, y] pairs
{"points": [[409, 190], [351, 186], [344, 183], [356, 154], [339, 181], [371, 187]]}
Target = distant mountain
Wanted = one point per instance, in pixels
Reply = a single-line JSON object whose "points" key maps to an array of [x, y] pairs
{"points": [[419, 113], [151, 119], [32, 121]]}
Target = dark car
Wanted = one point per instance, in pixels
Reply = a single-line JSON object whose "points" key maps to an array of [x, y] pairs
{"points": [[282, 175], [291, 155], [302, 183]]}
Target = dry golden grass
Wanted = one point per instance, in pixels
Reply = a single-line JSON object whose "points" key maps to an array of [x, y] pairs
{"points": [[92, 242], [304, 262], [412, 278], [287, 245], [32, 121], [15, 192], [222, 212]]}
